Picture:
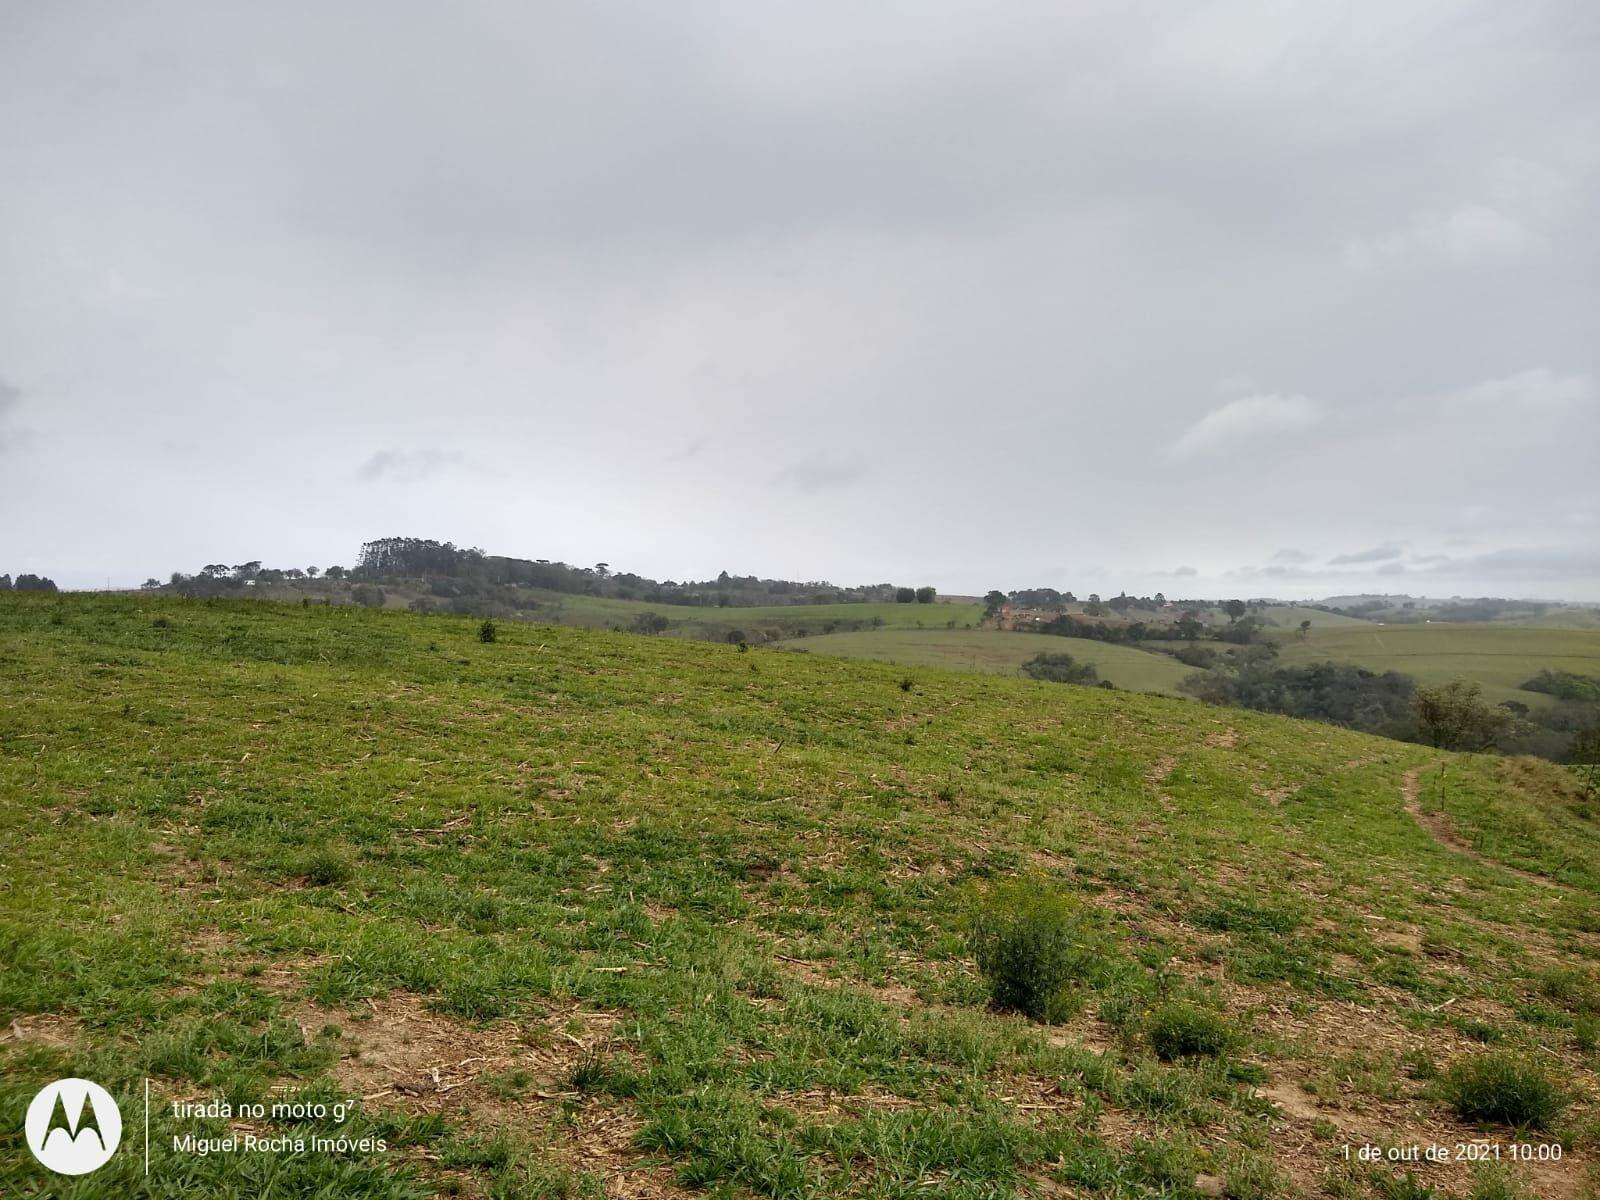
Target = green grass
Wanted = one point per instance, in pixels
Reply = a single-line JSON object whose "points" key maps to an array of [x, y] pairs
{"points": [[597, 612], [1505, 1089], [994, 651], [1289, 616], [1501, 657], [701, 916]]}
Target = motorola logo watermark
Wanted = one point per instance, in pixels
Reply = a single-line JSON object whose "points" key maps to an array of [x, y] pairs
{"points": [[73, 1126]]}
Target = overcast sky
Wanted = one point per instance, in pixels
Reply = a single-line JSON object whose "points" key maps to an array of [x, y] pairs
{"points": [[1212, 298]]}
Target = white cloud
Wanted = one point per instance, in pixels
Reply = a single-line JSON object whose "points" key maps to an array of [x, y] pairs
{"points": [[1538, 390], [1467, 232], [1374, 555], [1248, 418], [10, 400], [406, 466], [820, 473]]}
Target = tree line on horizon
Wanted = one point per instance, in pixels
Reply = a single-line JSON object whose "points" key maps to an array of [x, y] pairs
{"points": [[451, 572], [27, 583]]}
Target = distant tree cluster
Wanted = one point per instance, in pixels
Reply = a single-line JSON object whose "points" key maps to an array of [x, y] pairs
{"points": [[27, 583], [466, 579], [1060, 668], [1565, 685], [1342, 695], [403, 556], [472, 572], [1067, 625], [1043, 598]]}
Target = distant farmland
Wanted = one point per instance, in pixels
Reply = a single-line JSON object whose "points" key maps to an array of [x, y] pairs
{"points": [[1498, 656], [993, 652]]}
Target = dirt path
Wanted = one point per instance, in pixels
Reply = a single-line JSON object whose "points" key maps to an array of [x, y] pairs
{"points": [[1437, 826]]}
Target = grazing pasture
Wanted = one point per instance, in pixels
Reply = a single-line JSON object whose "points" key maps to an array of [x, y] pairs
{"points": [[1289, 616], [1501, 657], [995, 652], [581, 913]]}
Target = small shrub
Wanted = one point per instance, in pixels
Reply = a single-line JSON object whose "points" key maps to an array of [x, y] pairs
{"points": [[1571, 988], [1180, 1030], [324, 868], [1505, 1088], [1031, 945], [1586, 1034], [594, 1075], [487, 631], [907, 683]]}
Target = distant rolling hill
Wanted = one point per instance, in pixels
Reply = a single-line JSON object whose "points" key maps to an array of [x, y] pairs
{"points": [[995, 652]]}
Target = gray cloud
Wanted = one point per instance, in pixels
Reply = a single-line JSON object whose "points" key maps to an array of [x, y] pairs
{"points": [[406, 466], [1288, 555], [687, 451], [991, 262], [10, 399], [821, 473], [1376, 554], [1542, 564]]}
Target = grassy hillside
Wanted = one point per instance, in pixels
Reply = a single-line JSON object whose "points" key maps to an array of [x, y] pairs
{"points": [[599, 612], [760, 622], [1289, 616], [1001, 653], [1501, 657], [581, 913]]}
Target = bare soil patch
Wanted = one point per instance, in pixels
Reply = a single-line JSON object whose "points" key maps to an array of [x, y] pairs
{"points": [[43, 1029]]}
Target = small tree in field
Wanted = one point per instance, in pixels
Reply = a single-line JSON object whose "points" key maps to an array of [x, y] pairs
{"points": [[1235, 609], [926, 595], [650, 622], [1454, 716], [1584, 754], [487, 632], [905, 595], [1305, 630]]}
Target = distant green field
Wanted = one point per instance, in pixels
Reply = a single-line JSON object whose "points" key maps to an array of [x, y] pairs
{"points": [[997, 653], [1290, 616], [1563, 618], [598, 612], [1500, 657]]}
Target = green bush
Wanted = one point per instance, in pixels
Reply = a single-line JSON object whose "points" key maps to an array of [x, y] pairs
{"points": [[1180, 1030], [1060, 668], [487, 632], [324, 868], [1505, 1088], [1031, 946]]}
